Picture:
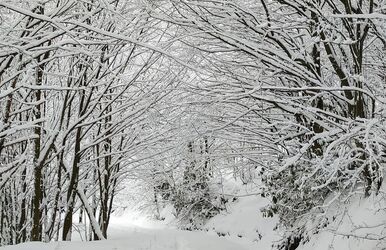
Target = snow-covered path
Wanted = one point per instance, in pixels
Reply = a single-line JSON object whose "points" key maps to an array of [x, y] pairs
{"points": [[126, 236]]}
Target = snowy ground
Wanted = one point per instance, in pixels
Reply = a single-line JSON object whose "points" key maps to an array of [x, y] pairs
{"points": [[141, 240], [240, 228], [140, 234], [356, 224], [133, 230]]}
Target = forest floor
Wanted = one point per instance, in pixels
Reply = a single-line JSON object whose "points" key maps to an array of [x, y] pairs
{"points": [[356, 224], [140, 235]]}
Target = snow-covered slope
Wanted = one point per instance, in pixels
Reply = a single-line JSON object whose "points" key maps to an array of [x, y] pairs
{"points": [[357, 224], [244, 222]]}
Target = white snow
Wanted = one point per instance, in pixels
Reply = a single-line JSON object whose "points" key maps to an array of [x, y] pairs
{"points": [[140, 239], [355, 224], [244, 222], [126, 234]]}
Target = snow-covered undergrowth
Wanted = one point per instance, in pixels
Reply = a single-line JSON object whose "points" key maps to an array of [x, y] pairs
{"points": [[357, 223], [243, 221]]}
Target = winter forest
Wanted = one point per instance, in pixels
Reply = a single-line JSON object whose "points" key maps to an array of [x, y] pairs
{"points": [[228, 124]]}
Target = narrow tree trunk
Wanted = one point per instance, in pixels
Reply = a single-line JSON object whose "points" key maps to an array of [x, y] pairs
{"points": [[71, 194], [36, 233]]}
